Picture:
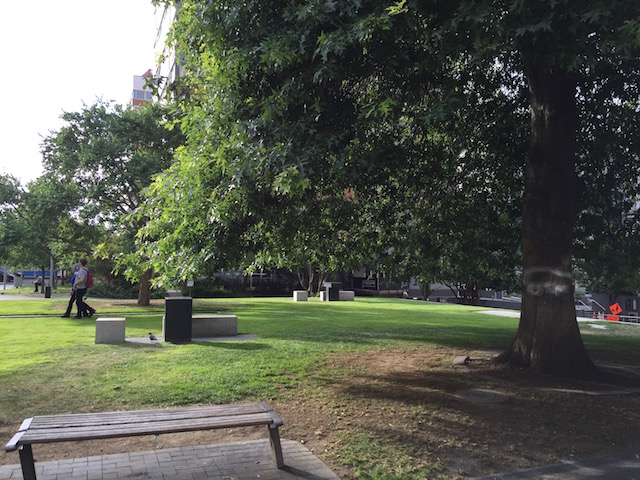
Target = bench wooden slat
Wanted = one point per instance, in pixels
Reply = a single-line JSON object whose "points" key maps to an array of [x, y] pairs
{"points": [[141, 416], [180, 411], [111, 430]]}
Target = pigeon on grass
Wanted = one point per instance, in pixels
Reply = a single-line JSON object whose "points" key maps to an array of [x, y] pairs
{"points": [[152, 337]]}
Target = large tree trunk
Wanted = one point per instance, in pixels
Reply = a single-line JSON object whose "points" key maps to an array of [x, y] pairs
{"points": [[548, 338], [144, 293]]}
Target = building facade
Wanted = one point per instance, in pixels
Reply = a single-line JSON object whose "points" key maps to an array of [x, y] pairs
{"points": [[170, 66], [142, 92]]}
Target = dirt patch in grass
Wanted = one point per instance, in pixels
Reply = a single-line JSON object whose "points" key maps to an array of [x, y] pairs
{"points": [[399, 409], [395, 411]]}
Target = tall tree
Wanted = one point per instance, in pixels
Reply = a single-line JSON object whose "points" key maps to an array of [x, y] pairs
{"points": [[366, 93], [559, 46], [36, 223], [110, 154], [10, 192]]}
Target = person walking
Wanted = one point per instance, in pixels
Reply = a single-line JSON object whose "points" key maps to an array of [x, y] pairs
{"points": [[80, 286], [72, 294], [37, 282]]}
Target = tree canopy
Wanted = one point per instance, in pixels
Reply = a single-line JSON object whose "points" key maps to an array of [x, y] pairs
{"points": [[108, 154], [450, 126], [36, 224]]}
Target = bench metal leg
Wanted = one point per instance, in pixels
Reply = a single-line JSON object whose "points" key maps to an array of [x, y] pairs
{"points": [[276, 448], [26, 462]]}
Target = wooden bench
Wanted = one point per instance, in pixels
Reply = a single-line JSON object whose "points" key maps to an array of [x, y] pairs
{"points": [[95, 426]]}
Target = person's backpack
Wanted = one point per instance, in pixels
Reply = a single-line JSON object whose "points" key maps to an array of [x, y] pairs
{"points": [[89, 279]]}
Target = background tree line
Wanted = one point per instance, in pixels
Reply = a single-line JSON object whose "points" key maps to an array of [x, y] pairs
{"points": [[88, 200]]}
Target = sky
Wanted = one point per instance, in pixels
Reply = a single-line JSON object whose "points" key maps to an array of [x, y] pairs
{"points": [[59, 54]]}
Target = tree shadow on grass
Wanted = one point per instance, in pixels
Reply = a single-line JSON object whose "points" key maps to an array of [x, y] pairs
{"points": [[410, 403], [453, 336]]}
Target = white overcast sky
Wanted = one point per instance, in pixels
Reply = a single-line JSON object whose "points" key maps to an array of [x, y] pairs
{"points": [[59, 54]]}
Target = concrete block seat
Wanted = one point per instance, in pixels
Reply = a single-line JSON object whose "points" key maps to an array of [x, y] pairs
{"points": [[347, 295], [343, 296], [205, 326], [110, 330], [300, 295]]}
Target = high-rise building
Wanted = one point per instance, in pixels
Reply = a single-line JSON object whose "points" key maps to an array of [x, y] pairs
{"points": [[141, 91]]}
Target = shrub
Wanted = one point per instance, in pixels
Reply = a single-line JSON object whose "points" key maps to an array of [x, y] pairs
{"points": [[102, 289], [205, 291]]}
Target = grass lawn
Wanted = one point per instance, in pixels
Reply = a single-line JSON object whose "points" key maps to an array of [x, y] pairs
{"points": [[322, 365]]}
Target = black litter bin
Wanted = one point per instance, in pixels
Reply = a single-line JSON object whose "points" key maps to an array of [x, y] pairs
{"points": [[333, 291], [47, 292], [176, 325]]}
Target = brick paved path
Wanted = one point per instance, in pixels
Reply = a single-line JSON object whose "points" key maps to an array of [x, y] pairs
{"points": [[229, 461]]}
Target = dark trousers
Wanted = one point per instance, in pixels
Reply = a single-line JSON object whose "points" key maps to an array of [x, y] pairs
{"points": [[83, 308], [71, 302]]}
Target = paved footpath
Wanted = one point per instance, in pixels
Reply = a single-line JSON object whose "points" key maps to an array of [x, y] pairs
{"points": [[618, 466], [230, 461]]}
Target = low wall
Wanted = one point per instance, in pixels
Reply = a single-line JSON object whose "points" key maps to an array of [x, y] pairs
{"points": [[110, 330], [205, 326], [300, 295], [347, 295]]}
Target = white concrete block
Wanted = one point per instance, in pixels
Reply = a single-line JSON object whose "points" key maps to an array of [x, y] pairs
{"points": [[205, 326], [347, 295], [300, 295], [110, 330]]}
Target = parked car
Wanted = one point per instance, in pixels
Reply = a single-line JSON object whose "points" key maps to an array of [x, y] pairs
{"points": [[9, 277]]}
